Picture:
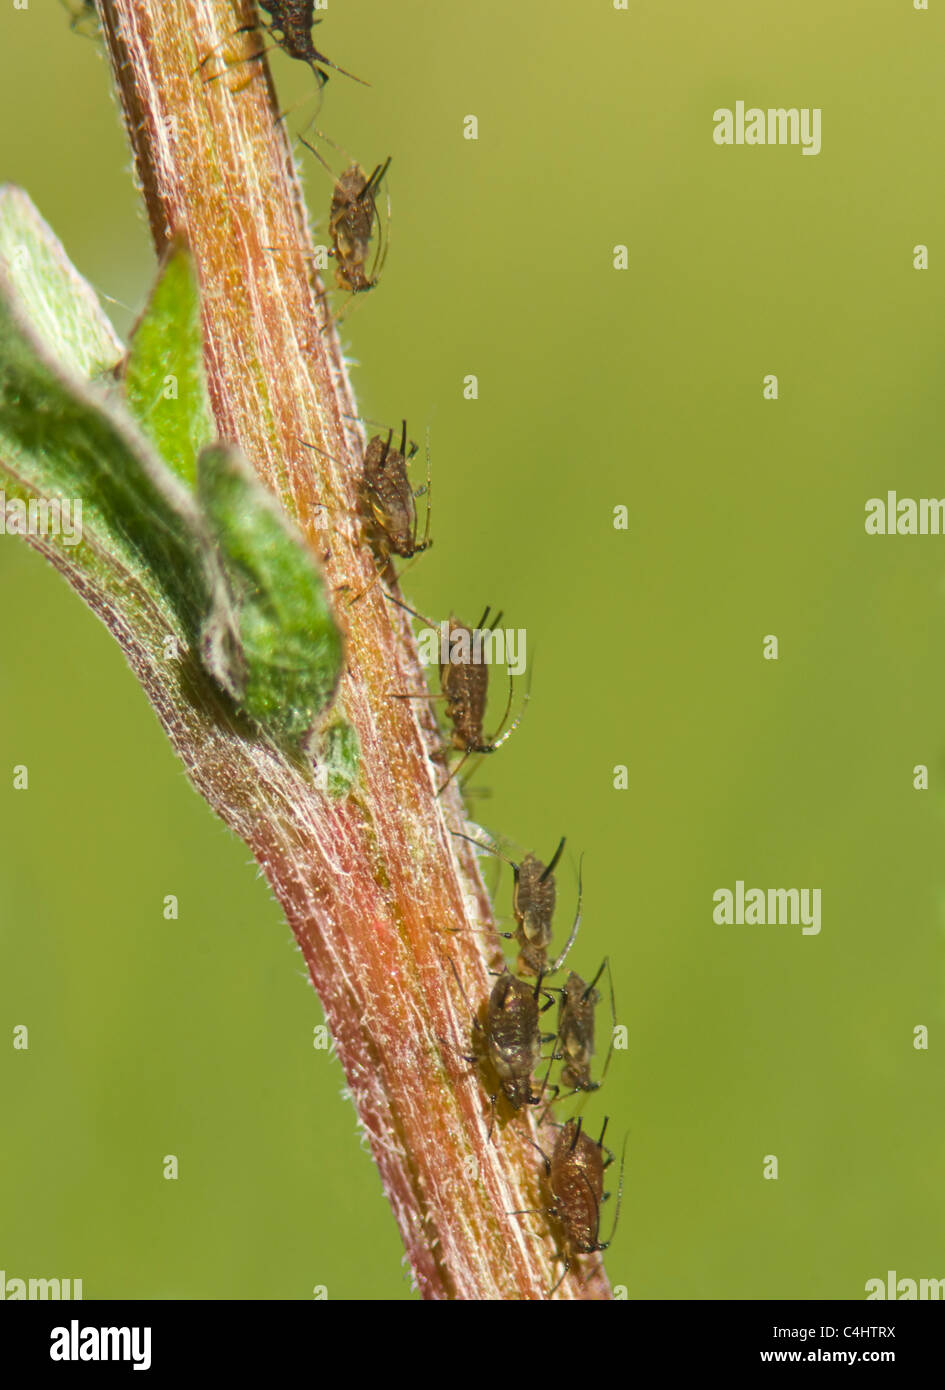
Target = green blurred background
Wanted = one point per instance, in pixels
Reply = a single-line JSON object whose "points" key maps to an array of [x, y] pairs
{"points": [[596, 388]]}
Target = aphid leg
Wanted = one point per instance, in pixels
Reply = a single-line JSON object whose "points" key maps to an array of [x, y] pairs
{"points": [[564, 1273], [555, 1092], [463, 760], [249, 58]]}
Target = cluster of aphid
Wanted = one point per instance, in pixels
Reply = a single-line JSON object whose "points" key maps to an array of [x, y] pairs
{"points": [[353, 212], [510, 1039], [509, 1042]]}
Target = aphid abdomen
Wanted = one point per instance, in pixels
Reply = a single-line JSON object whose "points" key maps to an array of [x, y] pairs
{"points": [[533, 906], [514, 1038], [393, 511], [577, 1186], [576, 1032], [465, 685]]}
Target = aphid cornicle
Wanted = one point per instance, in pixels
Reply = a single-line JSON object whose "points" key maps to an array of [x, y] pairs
{"points": [[512, 1036], [575, 1176], [533, 906]]}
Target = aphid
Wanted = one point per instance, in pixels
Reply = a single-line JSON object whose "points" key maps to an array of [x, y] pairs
{"points": [[387, 499], [512, 1036], [351, 219], [386, 502], [575, 1177], [291, 24], [464, 684], [533, 906], [575, 1041]]}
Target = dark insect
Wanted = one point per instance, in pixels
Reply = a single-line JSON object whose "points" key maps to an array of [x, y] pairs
{"points": [[464, 683], [575, 1177], [291, 23], [387, 500], [574, 1044], [351, 219], [512, 1036], [533, 906], [291, 27]]}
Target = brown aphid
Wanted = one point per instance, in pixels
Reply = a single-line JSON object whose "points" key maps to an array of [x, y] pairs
{"points": [[291, 24], [575, 1176], [512, 1036], [533, 907], [387, 500], [464, 683], [575, 1042], [351, 219]]}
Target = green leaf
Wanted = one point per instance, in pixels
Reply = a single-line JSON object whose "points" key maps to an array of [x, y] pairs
{"points": [[67, 443], [224, 566], [290, 648], [163, 373], [59, 305]]}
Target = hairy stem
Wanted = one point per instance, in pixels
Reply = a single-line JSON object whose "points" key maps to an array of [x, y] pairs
{"points": [[372, 883]]}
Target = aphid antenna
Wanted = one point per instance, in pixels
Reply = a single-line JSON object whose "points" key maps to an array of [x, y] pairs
{"points": [[413, 612], [383, 239], [384, 425], [489, 846], [613, 1012], [557, 964], [318, 154]]}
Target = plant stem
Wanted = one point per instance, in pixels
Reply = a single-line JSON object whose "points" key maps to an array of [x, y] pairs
{"points": [[371, 883]]}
